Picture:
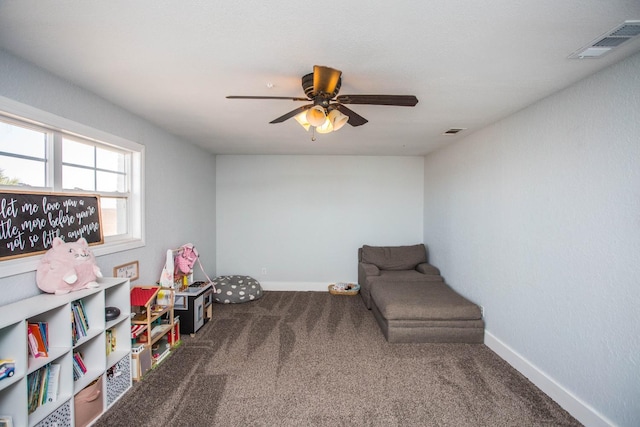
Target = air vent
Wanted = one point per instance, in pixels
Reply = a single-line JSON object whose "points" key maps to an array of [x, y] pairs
{"points": [[628, 29], [453, 131], [608, 41], [611, 41]]}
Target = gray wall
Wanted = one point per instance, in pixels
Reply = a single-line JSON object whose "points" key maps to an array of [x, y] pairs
{"points": [[302, 218], [537, 219], [179, 201]]}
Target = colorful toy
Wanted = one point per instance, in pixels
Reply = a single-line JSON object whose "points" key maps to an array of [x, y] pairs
{"points": [[186, 258], [7, 368], [67, 267]]}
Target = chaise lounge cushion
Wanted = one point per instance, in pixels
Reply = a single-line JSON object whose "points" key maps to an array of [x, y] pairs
{"points": [[425, 312], [394, 257], [423, 301]]}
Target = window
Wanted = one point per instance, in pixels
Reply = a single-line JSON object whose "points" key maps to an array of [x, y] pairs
{"points": [[43, 157], [92, 167], [23, 155]]}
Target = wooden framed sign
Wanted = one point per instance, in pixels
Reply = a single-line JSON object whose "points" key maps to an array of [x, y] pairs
{"points": [[127, 271], [29, 221]]}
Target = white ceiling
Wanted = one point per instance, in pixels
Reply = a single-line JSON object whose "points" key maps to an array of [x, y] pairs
{"points": [[172, 62]]}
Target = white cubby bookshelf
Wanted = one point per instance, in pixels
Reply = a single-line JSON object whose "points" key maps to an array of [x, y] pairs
{"points": [[55, 310]]}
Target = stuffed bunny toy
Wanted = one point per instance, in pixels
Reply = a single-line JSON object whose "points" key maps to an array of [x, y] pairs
{"points": [[67, 267]]}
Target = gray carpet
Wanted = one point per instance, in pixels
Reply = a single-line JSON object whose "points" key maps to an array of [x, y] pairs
{"points": [[315, 359]]}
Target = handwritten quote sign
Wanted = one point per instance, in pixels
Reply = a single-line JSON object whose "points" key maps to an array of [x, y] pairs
{"points": [[30, 221]]}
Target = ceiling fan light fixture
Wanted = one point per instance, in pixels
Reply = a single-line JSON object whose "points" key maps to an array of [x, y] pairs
{"points": [[325, 127], [337, 119], [316, 116], [302, 119]]}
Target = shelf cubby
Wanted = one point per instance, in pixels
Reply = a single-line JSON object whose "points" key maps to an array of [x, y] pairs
{"points": [[13, 402], [122, 332], [13, 347], [57, 320], [95, 359]]}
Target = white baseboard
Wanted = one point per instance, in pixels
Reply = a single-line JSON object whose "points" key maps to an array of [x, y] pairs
{"points": [[295, 286], [576, 407]]}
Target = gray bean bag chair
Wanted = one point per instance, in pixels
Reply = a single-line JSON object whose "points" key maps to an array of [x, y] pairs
{"points": [[236, 289]]}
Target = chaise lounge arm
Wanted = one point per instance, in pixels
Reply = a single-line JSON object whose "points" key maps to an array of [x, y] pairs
{"points": [[365, 269], [426, 268]]}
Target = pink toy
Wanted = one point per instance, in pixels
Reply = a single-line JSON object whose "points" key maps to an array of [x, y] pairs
{"points": [[67, 267], [186, 258]]}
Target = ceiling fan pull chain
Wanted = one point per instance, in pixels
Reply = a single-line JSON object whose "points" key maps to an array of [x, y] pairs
{"points": [[313, 133]]}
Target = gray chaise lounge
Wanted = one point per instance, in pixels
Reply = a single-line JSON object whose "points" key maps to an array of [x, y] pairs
{"points": [[410, 300]]}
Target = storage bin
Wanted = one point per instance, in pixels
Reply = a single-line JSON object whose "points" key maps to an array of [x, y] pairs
{"points": [[118, 380], [61, 417], [88, 403]]}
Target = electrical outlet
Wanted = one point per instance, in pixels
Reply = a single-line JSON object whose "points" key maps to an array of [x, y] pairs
{"points": [[482, 310], [264, 271]]}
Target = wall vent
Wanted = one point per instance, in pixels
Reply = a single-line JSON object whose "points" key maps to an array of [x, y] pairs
{"points": [[453, 131], [608, 41]]}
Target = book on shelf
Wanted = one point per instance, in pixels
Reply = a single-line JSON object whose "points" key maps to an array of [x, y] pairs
{"points": [[79, 304], [44, 333], [110, 335], [33, 380], [37, 336], [79, 321], [79, 368], [42, 385], [53, 385]]}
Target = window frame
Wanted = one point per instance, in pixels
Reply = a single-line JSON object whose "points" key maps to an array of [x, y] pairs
{"points": [[31, 116]]}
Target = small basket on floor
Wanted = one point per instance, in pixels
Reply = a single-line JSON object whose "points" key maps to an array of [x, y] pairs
{"points": [[349, 289]]}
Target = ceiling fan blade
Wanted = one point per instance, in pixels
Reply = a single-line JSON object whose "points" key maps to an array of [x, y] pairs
{"points": [[398, 100], [268, 97], [291, 114], [355, 119], [325, 79]]}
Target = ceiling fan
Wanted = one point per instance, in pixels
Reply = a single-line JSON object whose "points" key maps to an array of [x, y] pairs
{"points": [[327, 111]]}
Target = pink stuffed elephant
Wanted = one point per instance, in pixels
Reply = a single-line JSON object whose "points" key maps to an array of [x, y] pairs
{"points": [[67, 267]]}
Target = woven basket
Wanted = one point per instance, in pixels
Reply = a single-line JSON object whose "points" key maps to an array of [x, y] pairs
{"points": [[353, 291]]}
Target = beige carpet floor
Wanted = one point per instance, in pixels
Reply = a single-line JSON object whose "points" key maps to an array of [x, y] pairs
{"points": [[315, 359]]}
